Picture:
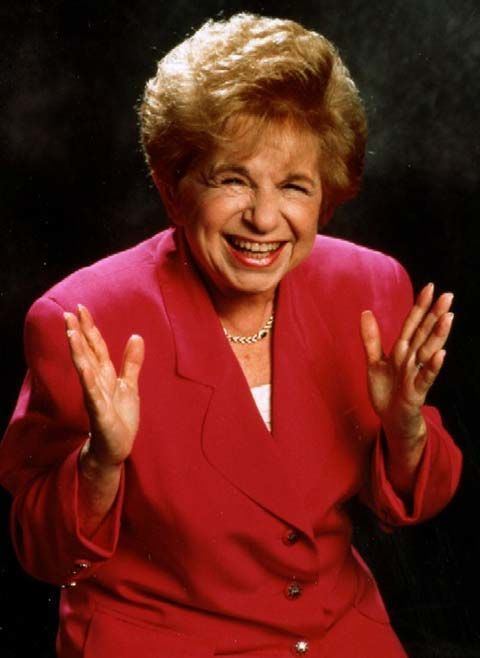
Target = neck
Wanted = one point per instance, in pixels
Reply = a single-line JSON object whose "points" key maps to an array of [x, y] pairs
{"points": [[239, 313], [243, 314]]}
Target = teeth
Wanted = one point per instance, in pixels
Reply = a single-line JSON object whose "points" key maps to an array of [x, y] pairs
{"points": [[261, 247]]}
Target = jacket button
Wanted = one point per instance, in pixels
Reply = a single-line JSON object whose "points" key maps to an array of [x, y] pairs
{"points": [[301, 647], [293, 590], [80, 566], [291, 537], [83, 564]]}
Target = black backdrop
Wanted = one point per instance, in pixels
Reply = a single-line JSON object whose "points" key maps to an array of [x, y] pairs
{"points": [[74, 188]]}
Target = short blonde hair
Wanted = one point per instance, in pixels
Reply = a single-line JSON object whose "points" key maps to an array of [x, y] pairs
{"points": [[266, 68]]}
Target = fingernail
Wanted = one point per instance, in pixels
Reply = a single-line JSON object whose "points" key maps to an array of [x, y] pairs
{"points": [[70, 332], [450, 316], [80, 307], [430, 285]]}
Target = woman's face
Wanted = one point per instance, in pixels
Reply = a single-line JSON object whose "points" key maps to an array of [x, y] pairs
{"points": [[251, 217]]}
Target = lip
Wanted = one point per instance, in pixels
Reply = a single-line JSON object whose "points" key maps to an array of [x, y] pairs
{"points": [[267, 260], [247, 238]]}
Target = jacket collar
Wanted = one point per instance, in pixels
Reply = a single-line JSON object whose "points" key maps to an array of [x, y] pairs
{"points": [[201, 348], [273, 470]]}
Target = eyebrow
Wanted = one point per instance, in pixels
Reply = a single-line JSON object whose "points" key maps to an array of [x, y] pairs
{"points": [[300, 177], [243, 171], [223, 168]]}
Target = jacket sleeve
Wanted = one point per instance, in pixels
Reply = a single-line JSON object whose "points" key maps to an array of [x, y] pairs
{"points": [[439, 470], [436, 479], [39, 460]]}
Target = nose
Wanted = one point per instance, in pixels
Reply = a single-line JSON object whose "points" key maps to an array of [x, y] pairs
{"points": [[263, 213]]}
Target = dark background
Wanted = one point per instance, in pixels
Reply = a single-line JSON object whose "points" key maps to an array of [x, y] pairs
{"points": [[74, 188]]}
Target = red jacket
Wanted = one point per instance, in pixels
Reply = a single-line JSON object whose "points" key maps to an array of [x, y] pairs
{"points": [[224, 539]]}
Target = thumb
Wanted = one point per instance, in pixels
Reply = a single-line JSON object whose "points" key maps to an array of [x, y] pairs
{"points": [[370, 333], [132, 360]]}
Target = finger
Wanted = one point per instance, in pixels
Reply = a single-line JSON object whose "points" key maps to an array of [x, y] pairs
{"points": [[133, 357], [429, 371], [437, 338], [440, 308], [93, 395], [92, 335], [73, 325], [417, 312], [371, 338], [76, 342]]}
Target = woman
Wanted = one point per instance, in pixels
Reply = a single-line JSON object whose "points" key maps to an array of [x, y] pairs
{"points": [[187, 490]]}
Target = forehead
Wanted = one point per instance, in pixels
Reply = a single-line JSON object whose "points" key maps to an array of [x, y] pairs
{"points": [[284, 143]]}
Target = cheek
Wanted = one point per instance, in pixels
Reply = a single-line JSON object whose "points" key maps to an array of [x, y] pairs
{"points": [[305, 246], [305, 234], [218, 215], [307, 224]]}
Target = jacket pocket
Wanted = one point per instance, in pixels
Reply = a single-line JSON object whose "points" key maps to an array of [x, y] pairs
{"points": [[114, 634]]}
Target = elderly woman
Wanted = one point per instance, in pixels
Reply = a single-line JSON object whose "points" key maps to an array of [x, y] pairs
{"points": [[235, 380]]}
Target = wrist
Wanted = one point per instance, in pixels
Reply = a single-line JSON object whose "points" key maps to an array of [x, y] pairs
{"points": [[403, 456], [92, 468], [98, 488], [405, 435]]}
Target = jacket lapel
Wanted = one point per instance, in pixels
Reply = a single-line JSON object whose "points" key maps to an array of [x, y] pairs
{"points": [[235, 440], [306, 397]]}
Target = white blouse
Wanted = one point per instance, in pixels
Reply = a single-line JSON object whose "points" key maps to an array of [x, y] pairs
{"points": [[262, 396]]}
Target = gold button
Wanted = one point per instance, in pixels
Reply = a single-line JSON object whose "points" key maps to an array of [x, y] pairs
{"points": [[81, 565], [301, 647], [293, 590]]}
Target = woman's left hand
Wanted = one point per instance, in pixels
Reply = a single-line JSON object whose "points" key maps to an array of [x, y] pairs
{"points": [[398, 384]]}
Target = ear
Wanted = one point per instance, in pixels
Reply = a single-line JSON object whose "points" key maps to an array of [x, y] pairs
{"points": [[168, 195]]}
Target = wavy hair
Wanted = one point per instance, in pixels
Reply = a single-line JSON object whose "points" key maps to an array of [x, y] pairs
{"points": [[268, 69]]}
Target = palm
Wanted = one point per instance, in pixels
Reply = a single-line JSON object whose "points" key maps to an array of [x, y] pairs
{"points": [[398, 383], [112, 401], [115, 411]]}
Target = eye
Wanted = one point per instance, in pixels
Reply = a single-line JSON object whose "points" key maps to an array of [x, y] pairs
{"points": [[297, 188], [232, 180]]}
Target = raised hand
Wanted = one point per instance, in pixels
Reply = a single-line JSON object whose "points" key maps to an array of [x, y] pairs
{"points": [[111, 400], [399, 383]]}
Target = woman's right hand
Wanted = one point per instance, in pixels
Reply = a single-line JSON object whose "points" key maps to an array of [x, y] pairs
{"points": [[112, 401]]}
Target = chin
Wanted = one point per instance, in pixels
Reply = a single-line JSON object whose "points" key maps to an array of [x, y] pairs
{"points": [[255, 288]]}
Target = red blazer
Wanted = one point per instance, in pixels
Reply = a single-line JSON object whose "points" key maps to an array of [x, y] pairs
{"points": [[224, 539]]}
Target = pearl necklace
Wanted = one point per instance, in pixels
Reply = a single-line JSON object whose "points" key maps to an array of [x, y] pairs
{"points": [[248, 340]]}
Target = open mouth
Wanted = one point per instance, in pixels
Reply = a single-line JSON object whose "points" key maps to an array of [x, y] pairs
{"points": [[254, 253]]}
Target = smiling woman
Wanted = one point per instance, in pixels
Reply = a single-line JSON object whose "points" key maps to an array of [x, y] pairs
{"points": [[190, 498], [250, 218]]}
